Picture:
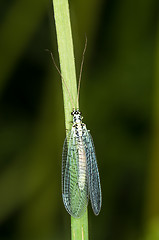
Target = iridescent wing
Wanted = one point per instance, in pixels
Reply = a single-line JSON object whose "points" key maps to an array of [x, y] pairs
{"points": [[75, 198], [94, 186]]}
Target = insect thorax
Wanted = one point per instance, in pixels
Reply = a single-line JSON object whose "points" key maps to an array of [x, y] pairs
{"points": [[77, 123], [77, 118]]}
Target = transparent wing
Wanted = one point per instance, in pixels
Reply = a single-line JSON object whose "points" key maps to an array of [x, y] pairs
{"points": [[75, 199], [93, 174]]}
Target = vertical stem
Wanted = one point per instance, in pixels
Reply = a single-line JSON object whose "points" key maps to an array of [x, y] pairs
{"points": [[66, 55], [79, 227]]}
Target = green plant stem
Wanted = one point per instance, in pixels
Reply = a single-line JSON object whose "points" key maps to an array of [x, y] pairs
{"points": [[66, 55], [79, 227]]}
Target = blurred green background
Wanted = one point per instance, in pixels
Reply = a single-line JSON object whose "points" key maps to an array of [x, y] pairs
{"points": [[119, 99]]}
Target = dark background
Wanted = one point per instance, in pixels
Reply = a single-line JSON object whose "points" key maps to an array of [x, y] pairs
{"points": [[120, 104]]}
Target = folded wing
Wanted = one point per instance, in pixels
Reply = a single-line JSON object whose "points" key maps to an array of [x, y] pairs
{"points": [[94, 186]]}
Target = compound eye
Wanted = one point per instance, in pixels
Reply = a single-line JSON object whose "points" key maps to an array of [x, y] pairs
{"points": [[72, 113], [80, 113]]}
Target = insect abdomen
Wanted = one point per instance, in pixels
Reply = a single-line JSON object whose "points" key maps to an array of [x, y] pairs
{"points": [[81, 165]]}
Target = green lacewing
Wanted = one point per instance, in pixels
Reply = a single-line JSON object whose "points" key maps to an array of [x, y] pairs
{"points": [[80, 175]]}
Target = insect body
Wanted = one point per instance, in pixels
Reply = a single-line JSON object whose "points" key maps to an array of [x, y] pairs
{"points": [[80, 175]]}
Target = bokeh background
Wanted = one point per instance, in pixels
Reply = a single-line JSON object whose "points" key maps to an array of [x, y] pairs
{"points": [[119, 99]]}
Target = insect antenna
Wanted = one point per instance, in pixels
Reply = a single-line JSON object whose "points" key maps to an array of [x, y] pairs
{"points": [[79, 81], [71, 99]]}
